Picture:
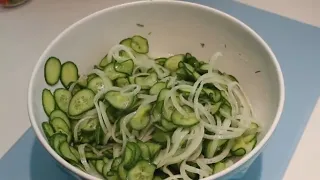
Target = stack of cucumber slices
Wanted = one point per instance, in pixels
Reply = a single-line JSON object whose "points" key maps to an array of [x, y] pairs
{"points": [[141, 118]]}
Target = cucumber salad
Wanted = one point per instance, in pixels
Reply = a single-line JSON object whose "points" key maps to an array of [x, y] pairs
{"points": [[141, 118]]}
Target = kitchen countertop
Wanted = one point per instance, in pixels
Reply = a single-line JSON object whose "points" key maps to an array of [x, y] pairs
{"points": [[27, 30]]}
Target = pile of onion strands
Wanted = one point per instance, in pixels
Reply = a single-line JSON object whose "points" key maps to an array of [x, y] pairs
{"points": [[138, 117]]}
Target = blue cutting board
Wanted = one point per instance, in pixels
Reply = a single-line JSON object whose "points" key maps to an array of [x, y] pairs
{"points": [[296, 46]]}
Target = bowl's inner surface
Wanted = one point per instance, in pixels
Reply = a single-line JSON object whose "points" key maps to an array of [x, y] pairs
{"points": [[171, 29]]}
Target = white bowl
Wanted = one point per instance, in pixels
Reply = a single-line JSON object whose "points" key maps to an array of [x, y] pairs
{"points": [[176, 27]]}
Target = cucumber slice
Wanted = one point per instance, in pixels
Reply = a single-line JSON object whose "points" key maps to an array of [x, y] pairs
{"points": [[132, 155], [99, 135], [141, 119], [254, 125], [157, 110], [186, 91], [188, 68], [251, 144], [225, 110], [226, 102], [222, 142], [154, 149], [144, 91], [191, 73], [213, 147], [52, 70], [115, 164], [135, 105], [62, 98], [105, 170], [69, 73], [251, 133], [95, 84], [66, 152], [163, 94], [99, 166], [169, 126], [142, 170], [119, 101], [92, 163], [129, 156], [48, 101], [240, 148], [131, 79], [86, 138], [81, 102], [106, 160], [126, 42], [190, 174], [93, 156], [124, 67], [107, 153], [239, 152], [156, 88], [89, 125], [161, 61], [97, 67], [104, 61], [188, 58], [59, 125], [186, 120], [121, 82], [160, 127], [75, 89], [137, 152], [249, 138], [208, 91], [196, 75], [78, 165], [182, 74], [159, 137], [91, 76], [47, 129], [56, 139], [215, 108], [220, 166], [173, 62], [122, 172], [60, 114], [112, 175], [167, 112], [229, 76], [216, 96], [224, 95], [204, 68], [144, 150], [144, 121], [75, 153], [148, 81], [112, 113], [209, 148], [111, 73], [140, 44]]}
